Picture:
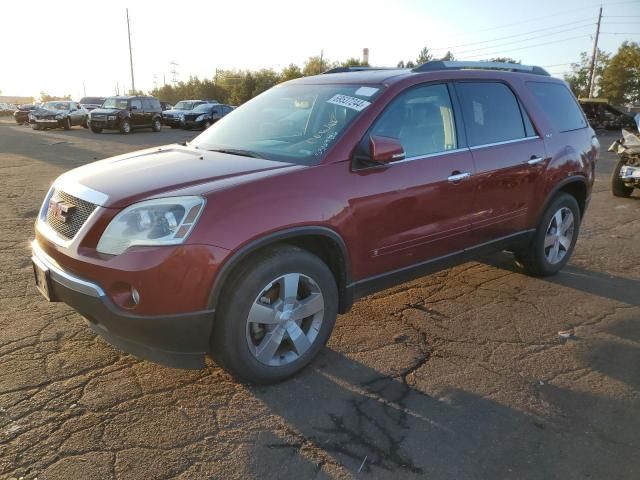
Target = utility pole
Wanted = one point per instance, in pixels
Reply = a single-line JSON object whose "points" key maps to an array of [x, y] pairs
{"points": [[594, 58], [321, 55], [133, 83], [173, 72]]}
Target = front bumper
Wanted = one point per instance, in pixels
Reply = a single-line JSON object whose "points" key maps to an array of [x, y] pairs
{"points": [[172, 121], [630, 173], [105, 123], [47, 123], [177, 340]]}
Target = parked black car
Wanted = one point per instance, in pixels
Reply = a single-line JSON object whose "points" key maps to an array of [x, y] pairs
{"points": [[205, 115], [58, 114], [22, 113], [91, 103], [175, 117], [126, 114]]}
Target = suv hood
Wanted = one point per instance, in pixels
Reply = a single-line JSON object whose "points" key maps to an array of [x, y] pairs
{"points": [[166, 171]]}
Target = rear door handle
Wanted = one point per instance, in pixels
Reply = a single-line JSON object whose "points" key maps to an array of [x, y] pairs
{"points": [[535, 160], [456, 177]]}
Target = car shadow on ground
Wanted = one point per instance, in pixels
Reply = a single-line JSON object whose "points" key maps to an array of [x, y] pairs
{"points": [[340, 412], [620, 289]]}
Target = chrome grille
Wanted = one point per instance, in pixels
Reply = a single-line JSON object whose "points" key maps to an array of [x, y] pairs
{"points": [[74, 219]]}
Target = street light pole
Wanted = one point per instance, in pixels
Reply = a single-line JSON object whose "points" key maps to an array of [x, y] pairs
{"points": [[133, 83]]}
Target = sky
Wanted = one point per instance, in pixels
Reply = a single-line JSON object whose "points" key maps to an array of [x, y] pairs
{"points": [[73, 47]]}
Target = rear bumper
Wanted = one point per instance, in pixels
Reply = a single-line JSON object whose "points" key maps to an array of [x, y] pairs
{"points": [[176, 340]]}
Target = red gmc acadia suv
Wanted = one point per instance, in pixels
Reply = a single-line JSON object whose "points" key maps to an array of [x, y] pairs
{"points": [[248, 241]]}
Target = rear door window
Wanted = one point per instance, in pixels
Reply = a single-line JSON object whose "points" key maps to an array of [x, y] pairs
{"points": [[559, 104], [491, 113], [421, 118], [136, 103]]}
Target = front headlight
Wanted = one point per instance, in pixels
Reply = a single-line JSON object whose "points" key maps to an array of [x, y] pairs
{"points": [[200, 118], [163, 221]]}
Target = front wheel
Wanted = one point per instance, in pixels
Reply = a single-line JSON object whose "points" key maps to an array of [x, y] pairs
{"points": [[277, 311], [96, 129], [66, 123], [618, 187], [554, 239], [35, 126], [125, 126]]}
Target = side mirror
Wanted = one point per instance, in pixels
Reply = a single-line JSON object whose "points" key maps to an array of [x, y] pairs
{"points": [[385, 149]]}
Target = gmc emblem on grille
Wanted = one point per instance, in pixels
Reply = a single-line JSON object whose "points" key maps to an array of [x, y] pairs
{"points": [[61, 209]]}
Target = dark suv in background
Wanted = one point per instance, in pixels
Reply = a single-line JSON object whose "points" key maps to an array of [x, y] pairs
{"points": [[174, 118], [127, 114], [205, 115], [248, 241]]}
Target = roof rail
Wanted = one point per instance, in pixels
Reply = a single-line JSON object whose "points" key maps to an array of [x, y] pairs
{"points": [[453, 65], [355, 68]]}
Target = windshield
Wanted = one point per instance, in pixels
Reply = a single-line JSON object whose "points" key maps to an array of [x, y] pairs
{"points": [[289, 123], [57, 105], [202, 108], [114, 102], [182, 105]]}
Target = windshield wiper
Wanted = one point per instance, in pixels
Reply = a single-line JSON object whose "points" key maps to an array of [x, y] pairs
{"points": [[237, 151]]}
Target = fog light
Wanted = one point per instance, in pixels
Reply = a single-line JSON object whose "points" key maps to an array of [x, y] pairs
{"points": [[135, 296]]}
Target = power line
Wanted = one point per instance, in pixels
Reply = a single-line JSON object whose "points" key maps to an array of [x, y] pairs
{"points": [[522, 40], [499, 53], [518, 34]]}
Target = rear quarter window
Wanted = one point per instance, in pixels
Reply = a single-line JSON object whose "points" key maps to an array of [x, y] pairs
{"points": [[559, 104], [491, 113]]}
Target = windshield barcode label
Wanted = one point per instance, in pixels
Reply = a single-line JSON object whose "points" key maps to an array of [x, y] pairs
{"points": [[349, 102]]}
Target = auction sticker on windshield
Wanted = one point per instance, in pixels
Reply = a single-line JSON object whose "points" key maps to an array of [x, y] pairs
{"points": [[349, 102]]}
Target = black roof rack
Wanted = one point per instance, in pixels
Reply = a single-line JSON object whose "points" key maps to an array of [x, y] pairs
{"points": [[358, 68], [454, 65]]}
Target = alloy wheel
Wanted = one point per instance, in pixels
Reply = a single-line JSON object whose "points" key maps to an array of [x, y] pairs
{"points": [[284, 319], [559, 235]]}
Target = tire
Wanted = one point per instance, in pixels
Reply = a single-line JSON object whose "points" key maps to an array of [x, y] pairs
{"points": [[125, 126], [618, 188], [66, 123], [35, 126], [538, 258], [86, 123], [156, 126], [95, 129], [207, 124], [242, 347]]}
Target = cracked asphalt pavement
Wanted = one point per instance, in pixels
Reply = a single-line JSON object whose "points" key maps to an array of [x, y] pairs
{"points": [[461, 374]]}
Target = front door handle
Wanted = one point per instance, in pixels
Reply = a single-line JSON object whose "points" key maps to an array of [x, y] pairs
{"points": [[535, 160], [456, 177]]}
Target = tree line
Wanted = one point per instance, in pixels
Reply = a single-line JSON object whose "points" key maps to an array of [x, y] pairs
{"points": [[617, 76]]}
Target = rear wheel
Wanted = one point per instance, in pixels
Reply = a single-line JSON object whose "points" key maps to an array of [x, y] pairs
{"points": [[554, 240], [618, 188], [125, 126], [35, 126], [277, 311], [157, 125]]}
